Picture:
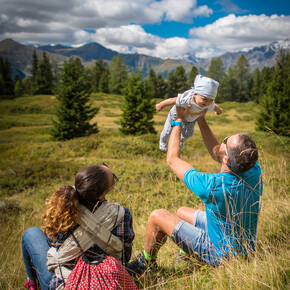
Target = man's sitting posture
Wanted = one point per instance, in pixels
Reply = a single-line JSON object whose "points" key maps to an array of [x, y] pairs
{"points": [[231, 197]]}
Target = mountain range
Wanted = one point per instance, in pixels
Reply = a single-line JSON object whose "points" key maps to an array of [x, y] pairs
{"points": [[20, 57]]}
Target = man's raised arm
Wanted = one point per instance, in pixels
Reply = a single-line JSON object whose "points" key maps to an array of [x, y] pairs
{"points": [[209, 138], [177, 165]]}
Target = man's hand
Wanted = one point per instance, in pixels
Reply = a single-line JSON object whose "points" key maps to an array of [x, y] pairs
{"points": [[202, 114], [209, 139], [182, 113]]}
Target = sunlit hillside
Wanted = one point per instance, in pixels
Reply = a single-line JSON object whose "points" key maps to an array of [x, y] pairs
{"points": [[33, 166]]}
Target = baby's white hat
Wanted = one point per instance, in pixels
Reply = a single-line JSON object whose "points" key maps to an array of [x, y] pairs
{"points": [[205, 87]]}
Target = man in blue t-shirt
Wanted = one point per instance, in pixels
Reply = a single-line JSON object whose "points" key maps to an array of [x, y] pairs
{"points": [[228, 226]]}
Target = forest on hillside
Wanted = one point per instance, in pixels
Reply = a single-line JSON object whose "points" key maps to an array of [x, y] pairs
{"points": [[269, 88]]}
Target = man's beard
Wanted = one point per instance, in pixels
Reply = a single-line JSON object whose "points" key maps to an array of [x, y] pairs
{"points": [[217, 152]]}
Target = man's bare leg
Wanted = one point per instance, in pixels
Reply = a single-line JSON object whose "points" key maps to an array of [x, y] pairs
{"points": [[161, 224], [186, 213]]}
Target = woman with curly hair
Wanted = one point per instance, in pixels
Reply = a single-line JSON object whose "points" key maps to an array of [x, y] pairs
{"points": [[79, 224]]}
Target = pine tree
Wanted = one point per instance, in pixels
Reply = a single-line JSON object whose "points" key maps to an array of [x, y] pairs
{"points": [[275, 106], [7, 86], [34, 66], [8, 79], [104, 83], [267, 75], [2, 86], [193, 73], [216, 69], [34, 72], [100, 77], [138, 108], [181, 79], [118, 74], [160, 87], [27, 86], [2, 81], [151, 83], [18, 88], [256, 87], [73, 112], [228, 88], [241, 71], [171, 85], [44, 75]]}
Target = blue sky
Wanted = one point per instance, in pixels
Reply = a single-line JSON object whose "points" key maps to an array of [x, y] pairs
{"points": [[162, 28], [220, 9]]}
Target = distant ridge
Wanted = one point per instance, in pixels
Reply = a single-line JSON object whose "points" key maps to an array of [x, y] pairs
{"points": [[87, 52], [20, 57], [93, 51], [258, 57]]}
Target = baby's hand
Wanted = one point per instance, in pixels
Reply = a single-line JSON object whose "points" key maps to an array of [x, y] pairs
{"points": [[158, 107], [219, 111]]}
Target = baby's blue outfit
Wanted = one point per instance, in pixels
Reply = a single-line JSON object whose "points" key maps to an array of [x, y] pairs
{"points": [[183, 100]]}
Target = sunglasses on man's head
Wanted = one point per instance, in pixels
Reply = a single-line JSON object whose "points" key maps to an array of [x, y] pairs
{"points": [[116, 179], [225, 142]]}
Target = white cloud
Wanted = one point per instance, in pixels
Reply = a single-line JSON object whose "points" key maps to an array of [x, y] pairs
{"points": [[230, 33], [117, 24], [202, 11], [129, 35], [81, 36], [95, 14], [133, 38], [123, 11], [181, 12], [234, 33], [229, 6], [169, 48], [67, 22]]}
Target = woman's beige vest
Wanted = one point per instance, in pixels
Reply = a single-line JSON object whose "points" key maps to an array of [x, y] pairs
{"points": [[94, 228]]}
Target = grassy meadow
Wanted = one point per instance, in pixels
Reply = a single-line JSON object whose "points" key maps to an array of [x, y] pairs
{"points": [[33, 166]]}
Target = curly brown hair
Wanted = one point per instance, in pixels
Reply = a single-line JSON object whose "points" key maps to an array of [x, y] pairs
{"points": [[62, 207], [61, 212]]}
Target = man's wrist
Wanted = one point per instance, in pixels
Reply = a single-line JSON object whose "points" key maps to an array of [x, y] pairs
{"points": [[179, 120], [201, 120], [176, 123]]}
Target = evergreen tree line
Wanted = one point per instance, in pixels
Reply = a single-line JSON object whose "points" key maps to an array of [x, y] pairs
{"points": [[269, 88], [74, 112], [238, 83], [41, 81]]}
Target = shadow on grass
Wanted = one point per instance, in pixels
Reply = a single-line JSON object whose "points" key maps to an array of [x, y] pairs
{"points": [[176, 275]]}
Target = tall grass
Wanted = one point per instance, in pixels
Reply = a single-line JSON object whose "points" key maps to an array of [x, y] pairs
{"points": [[33, 166]]}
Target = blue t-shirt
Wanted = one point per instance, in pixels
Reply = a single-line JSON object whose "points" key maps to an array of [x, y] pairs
{"points": [[232, 204]]}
